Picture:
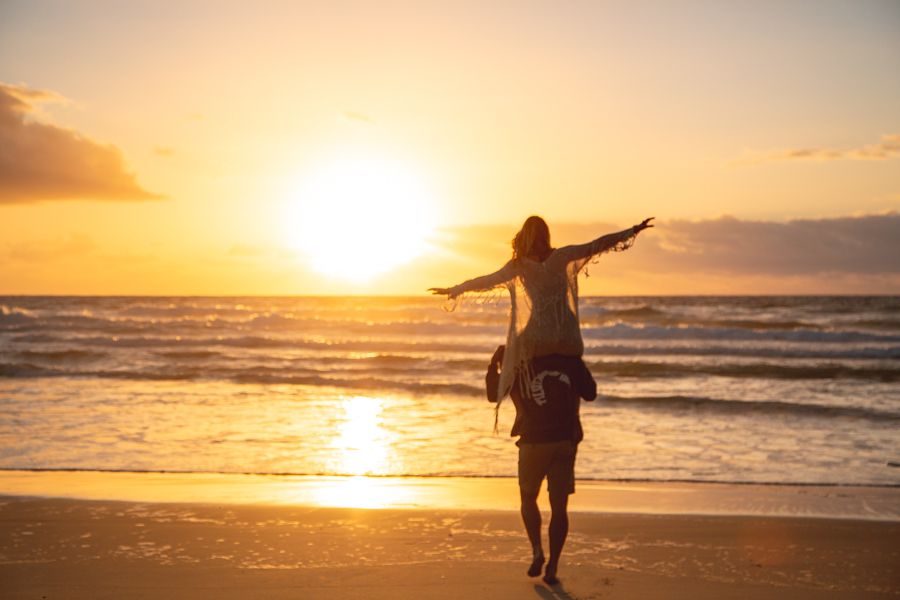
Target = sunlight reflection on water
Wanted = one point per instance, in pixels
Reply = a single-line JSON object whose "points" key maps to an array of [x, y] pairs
{"points": [[361, 441]]}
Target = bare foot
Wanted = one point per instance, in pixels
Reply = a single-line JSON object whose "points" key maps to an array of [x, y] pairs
{"points": [[535, 569], [550, 575]]}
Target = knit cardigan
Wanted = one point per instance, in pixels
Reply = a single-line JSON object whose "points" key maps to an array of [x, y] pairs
{"points": [[543, 316]]}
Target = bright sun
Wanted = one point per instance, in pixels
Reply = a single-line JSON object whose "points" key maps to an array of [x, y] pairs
{"points": [[355, 218]]}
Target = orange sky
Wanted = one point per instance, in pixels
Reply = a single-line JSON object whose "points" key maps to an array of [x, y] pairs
{"points": [[181, 148]]}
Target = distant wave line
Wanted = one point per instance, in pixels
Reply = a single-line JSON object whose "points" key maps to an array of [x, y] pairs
{"points": [[747, 406], [864, 329], [455, 343], [320, 315], [436, 475], [187, 347], [753, 371], [213, 365], [346, 381], [251, 376]]}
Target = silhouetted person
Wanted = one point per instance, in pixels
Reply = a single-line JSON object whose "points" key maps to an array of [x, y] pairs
{"points": [[549, 429], [543, 287]]}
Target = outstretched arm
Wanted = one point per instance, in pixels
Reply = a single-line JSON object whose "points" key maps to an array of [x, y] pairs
{"points": [[604, 243], [485, 282]]}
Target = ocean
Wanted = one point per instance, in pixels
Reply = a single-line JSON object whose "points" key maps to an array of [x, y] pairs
{"points": [[781, 390]]}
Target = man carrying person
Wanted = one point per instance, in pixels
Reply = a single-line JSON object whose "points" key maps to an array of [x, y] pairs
{"points": [[549, 429]]}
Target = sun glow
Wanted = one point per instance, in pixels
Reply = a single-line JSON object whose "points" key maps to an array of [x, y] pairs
{"points": [[355, 218]]}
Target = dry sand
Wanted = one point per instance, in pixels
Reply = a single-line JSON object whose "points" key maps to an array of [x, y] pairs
{"points": [[65, 548]]}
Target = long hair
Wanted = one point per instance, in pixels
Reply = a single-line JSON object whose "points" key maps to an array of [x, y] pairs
{"points": [[533, 240]]}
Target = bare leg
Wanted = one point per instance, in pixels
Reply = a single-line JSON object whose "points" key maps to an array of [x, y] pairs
{"points": [[559, 529], [531, 516]]}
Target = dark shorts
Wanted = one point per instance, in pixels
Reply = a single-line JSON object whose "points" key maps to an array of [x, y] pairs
{"points": [[553, 460]]}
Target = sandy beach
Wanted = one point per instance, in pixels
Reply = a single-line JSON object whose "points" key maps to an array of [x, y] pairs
{"points": [[81, 548]]}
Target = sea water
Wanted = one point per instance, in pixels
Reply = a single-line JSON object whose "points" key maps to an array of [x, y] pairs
{"points": [[728, 389]]}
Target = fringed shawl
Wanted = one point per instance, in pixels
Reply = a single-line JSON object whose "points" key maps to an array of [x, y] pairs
{"points": [[543, 296]]}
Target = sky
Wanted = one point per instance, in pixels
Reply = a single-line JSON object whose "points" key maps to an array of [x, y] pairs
{"points": [[319, 148]]}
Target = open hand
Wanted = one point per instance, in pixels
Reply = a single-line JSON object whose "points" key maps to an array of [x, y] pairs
{"points": [[441, 292], [645, 224]]}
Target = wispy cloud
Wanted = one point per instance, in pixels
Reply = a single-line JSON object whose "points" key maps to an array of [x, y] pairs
{"points": [[70, 246], [357, 117], [887, 148], [40, 161]]}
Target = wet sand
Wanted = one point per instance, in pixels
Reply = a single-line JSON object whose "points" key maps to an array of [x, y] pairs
{"points": [[463, 493], [68, 548]]}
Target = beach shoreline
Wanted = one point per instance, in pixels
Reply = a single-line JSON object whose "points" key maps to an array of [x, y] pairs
{"points": [[872, 503]]}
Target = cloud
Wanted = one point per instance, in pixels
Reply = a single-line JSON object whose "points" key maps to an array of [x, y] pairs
{"points": [[356, 117], [866, 244], [165, 151], [40, 161], [887, 148], [725, 246], [856, 245], [72, 245]]}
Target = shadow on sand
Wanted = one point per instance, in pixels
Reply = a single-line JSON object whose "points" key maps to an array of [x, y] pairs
{"points": [[555, 592]]}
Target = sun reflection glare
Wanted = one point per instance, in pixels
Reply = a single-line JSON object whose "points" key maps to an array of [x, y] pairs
{"points": [[363, 492], [361, 448], [361, 442]]}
